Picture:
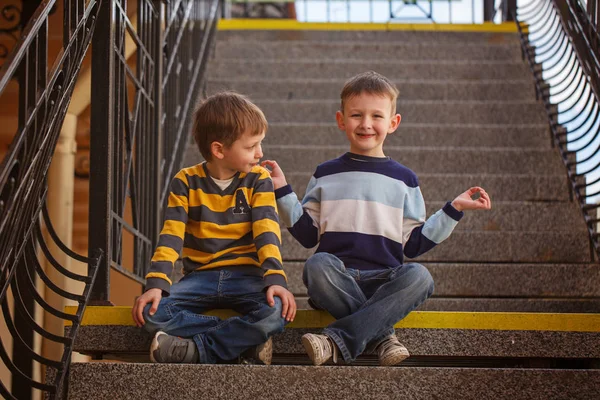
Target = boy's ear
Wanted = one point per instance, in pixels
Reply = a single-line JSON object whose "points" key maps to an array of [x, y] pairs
{"points": [[395, 121], [339, 117], [217, 150]]}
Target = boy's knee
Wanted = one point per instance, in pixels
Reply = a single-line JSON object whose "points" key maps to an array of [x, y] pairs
{"points": [[152, 323], [424, 278], [320, 264], [274, 322]]}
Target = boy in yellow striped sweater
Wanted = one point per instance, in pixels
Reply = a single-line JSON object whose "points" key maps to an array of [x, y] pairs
{"points": [[222, 218]]}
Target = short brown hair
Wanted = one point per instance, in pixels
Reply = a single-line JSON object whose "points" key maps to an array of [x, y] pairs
{"points": [[224, 117], [369, 82]]}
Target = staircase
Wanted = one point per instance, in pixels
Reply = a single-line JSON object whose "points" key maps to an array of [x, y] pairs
{"points": [[469, 117]]}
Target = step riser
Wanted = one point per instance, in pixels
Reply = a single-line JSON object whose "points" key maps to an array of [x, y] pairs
{"points": [[447, 187], [413, 112], [414, 135], [292, 382], [407, 36], [345, 70], [422, 160], [408, 91], [487, 247], [495, 280], [420, 342], [364, 51]]}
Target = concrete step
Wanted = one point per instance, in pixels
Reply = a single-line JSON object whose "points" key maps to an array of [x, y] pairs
{"points": [[508, 161], [445, 187], [381, 36], [332, 50], [291, 89], [489, 280], [346, 68], [172, 381], [110, 330], [484, 246], [438, 112], [416, 135]]}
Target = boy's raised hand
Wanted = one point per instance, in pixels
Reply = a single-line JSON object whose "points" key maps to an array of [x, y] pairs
{"points": [[465, 202], [287, 300], [277, 175], [150, 296]]}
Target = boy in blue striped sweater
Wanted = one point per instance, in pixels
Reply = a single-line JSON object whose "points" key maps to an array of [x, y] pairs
{"points": [[366, 212]]}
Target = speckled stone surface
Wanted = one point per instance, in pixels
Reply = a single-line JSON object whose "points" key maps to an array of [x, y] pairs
{"points": [[162, 381], [423, 37], [393, 69], [417, 135], [288, 89], [330, 50], [497, 280], [420, 342], [485, 246]]}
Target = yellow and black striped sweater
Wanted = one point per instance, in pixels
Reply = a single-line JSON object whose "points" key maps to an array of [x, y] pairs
{"points": [[214, 228]]}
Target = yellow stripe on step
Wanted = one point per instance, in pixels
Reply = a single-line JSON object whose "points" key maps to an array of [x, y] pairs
{"points": [[415, 320], [293, 25]]}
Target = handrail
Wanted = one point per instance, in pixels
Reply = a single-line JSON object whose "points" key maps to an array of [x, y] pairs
{"points": [[44, 94], [140, 124], [574, 116]]}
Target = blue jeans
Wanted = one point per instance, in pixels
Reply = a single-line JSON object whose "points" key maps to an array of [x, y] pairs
{"points": [[180, 314], [365, 304]]}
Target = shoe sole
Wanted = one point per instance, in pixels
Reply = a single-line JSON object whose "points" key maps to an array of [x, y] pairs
{"points": [[265, 355], [154, 345], [394, 360], [308, 342]]}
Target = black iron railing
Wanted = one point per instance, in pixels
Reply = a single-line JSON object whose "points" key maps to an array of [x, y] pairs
{"points": [[140, 123], [44, 93], [562, 51]]}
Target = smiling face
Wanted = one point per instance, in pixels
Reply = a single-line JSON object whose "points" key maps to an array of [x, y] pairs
{"points": [[367, 119]]}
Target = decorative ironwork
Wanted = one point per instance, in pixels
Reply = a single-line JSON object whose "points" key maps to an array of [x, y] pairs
{"points": [[44, 96], [140, 123], [566, 68], [10, 27]]}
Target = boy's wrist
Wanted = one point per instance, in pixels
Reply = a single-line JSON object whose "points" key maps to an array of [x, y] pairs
{"points": [[456, 206]]}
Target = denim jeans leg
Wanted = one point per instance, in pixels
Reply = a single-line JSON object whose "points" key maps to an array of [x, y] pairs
{"points": [[331, 286], [243, 293], [408, 287], [180, 313]]}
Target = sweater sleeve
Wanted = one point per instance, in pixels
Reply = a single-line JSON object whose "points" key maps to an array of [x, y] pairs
{"points": [[170, 241], [266, 231], [302, 220], [420, 236]]}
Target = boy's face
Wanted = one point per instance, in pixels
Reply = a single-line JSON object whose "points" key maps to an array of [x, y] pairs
{"points": [[243, 154], [367, 120]]}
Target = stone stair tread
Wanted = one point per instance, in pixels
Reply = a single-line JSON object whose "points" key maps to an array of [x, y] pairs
{"points": [[155, 381]]}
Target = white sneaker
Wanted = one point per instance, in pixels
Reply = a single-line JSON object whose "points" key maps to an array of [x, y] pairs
{"points": [[391, 351], [319, 348]]}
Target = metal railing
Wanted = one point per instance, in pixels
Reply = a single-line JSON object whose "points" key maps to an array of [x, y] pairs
{"points": [[140, 123], [383, 11], [562, 51], [44, 93]]}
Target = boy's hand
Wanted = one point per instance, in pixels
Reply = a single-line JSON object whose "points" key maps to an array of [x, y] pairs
{"points": [[277, 175], [465, 202], [150, 296], [287, 300]]}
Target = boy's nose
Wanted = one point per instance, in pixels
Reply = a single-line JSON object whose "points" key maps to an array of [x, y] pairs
{"points": [[259, 152], [365, 123]]}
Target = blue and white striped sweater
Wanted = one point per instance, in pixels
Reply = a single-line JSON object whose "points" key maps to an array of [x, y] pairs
{"points": [[367, 211]]}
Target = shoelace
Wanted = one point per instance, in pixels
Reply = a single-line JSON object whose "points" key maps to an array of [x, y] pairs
{"points": [[178, 350], [387, 345]]}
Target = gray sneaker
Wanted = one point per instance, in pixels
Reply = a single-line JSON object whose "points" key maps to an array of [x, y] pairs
{"points": [[172, 349], [319, 348], [391, 351], [261, 354]]}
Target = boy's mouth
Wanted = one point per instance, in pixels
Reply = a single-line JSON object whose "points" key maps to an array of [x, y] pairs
{"points": [[365, 135]]}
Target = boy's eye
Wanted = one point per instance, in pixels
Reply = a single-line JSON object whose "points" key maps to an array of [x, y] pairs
{"points": [[355, 115]]}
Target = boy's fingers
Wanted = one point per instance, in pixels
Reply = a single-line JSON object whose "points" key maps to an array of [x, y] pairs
{"points": [[154, 307], [270, 298], [285, 306], [140, 317]]}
